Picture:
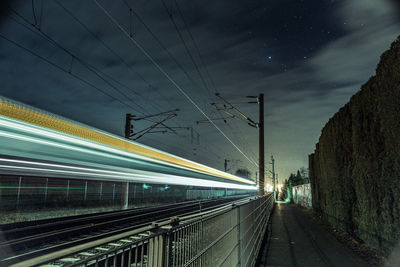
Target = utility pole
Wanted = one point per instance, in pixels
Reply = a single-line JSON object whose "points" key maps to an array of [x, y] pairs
{"points": [[273, 173], [261, 144], [229, 109], [128, 125], [125, 185], [226, 170], [129, 134], [226, 165]]}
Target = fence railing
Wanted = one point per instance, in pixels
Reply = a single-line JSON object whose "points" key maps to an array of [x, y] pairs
{"points": [[227, 236]]}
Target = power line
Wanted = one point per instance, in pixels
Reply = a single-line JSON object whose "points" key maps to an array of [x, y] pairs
{"points": [[112, 52], [115, 54], [168, 77], [159, 42], [186, 25], [62, 69], [66, 70], [47, 38], [179, 65], [205, 67], [91, 68], [186, 47]]}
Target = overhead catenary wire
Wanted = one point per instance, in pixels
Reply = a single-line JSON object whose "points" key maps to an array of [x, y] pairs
{"points": [[66, 70], [91, 68], [43, 35], [160, 43], [94, 70], [169, 77], [206, 69], [62, 69], [164, 48], [169, 13], [202, 62], [112, 51]]}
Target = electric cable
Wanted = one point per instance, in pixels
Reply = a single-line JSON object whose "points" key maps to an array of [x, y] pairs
{"points": [[91, 68], [169, 78], [171, 18], [164, 48]]}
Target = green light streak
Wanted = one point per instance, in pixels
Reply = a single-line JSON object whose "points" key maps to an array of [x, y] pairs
{"points": [[39, 187]]}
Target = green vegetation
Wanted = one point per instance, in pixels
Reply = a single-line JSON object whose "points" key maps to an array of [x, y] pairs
{"points": [[301, 177]]}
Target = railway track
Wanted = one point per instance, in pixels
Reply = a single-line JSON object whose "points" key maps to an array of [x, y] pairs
{"points": [[32, 239]]}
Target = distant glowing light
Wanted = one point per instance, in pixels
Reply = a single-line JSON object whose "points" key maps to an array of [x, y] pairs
{"points": [[279, 186], [269, 188]]}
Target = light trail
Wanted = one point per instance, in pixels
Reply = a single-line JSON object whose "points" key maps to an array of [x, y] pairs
{"points": [[22, 134], [33, 121], [136, 177], [177, 86]]}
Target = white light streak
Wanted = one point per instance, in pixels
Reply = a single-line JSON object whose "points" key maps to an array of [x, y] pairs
{"points": [[28, 128], [171, 80], [142, 176]]}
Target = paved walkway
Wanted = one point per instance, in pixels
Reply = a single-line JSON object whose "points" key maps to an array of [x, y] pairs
{"points": [[295, 240]]}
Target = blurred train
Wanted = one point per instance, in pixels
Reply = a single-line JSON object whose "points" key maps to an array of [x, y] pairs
{"points": [[50, 161]]}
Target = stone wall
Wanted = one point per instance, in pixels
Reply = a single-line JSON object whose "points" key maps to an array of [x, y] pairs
{"points": [[355, 169], [302, 195]]}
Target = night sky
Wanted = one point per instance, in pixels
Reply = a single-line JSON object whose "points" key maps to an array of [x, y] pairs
{"points": [[307, 57]]}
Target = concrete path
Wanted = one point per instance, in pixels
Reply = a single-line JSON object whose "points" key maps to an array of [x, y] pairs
{"points": [[296, 240]]}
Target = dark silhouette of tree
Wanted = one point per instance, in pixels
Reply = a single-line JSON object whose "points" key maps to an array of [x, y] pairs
{"points": [[300, 177]]}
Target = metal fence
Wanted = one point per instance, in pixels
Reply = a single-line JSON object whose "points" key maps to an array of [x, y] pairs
{"points": [[228, 236]]}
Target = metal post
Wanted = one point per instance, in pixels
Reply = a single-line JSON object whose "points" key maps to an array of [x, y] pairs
{"points": [[85, 198], [45, 191], [134, 192], [239, 248], [125, 185], [273, 174], [261, 144], [113, 193], [101, 190], [125, 195], [128, 125], [19, 190], [67, 190]]}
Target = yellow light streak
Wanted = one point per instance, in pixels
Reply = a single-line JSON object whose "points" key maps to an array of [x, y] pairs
{"points": [[30, 116]]}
